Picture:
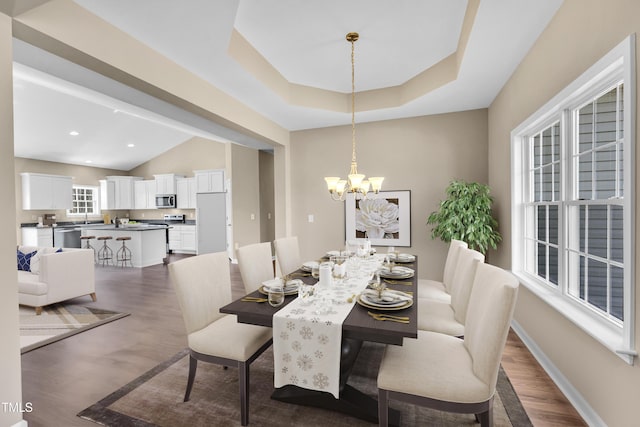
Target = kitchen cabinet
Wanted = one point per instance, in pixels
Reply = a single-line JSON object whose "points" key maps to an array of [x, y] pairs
{"points": [[186, 193], [42, 191], [166, 183], [117, 192], [182, 238], [144, 194], [209, 181], [37, 236]]}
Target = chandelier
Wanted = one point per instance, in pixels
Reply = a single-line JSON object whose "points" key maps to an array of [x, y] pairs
{"points": [[355, 182]]}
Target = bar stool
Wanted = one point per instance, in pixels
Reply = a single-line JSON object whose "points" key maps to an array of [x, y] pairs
{"points": [[124, 253], [105, 254], [87, 245]]}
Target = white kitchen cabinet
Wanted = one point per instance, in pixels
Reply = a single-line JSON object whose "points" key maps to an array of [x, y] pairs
{"points": [[166, 183], [186, 193], [37, 236], [42, 191], [117, 192], [182, 238], [209, 181], [144, 194]]}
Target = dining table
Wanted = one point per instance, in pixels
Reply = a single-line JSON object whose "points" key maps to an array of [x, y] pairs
{"points": [[358, 327]]}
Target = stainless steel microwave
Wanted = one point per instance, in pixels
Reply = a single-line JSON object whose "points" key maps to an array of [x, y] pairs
{"points": [[165, 201]]}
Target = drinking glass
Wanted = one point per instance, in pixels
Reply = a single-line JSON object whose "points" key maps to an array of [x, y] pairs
{"points": [[276, 295], [315, 270], [306, 293]]}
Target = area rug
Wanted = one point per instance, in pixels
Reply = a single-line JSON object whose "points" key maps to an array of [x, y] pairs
{"points": [[59, 321], [155, 399]]}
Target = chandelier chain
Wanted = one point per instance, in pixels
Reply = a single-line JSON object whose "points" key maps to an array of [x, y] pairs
{"points": [[353, 102]]}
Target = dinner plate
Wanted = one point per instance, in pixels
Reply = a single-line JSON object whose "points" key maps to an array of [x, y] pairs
{"points": [[390, 298], [398, 272], [405, 304]]}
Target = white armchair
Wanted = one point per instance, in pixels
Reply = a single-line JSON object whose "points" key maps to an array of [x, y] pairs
{"points": [[439, 291], [287, 254], [256, 265]]}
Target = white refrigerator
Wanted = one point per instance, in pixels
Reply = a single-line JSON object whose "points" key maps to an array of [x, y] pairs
{"points": [[211, 222]]}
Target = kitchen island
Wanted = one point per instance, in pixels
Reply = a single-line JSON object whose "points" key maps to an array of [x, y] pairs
{"points": [[148, 242]]}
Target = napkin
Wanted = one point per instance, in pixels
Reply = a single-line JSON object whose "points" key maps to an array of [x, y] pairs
{"points": [[388, 296], [290, 285]]}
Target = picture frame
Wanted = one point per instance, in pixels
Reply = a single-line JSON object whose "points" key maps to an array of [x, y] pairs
{"points": [[385, 220]]}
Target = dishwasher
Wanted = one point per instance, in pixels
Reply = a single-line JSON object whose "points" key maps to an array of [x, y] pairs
{"points": [[66, 237]]}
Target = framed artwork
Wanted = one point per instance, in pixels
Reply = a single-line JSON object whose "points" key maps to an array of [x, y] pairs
{"points": [[385, 218]]}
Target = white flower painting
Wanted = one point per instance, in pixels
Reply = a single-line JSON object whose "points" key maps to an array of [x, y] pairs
{"points": [[384, 218], [378, 218]]}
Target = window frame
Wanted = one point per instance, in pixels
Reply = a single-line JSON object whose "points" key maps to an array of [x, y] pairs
{"points": [[96, 201], [617, 65]]}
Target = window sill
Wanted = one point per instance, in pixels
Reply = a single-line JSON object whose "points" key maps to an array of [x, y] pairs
{"points": [[608, 335]]}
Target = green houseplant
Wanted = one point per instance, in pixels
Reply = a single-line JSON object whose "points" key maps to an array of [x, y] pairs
{"points": [[466, 215]]}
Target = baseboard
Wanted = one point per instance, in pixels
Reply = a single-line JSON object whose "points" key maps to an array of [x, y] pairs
{"points": [[573, 396]]}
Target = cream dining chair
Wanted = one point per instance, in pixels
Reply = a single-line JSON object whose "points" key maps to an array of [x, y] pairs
{"points": [[449, 374], [436, 290], [449, 318], [256, 265], [287, 254], [203, 285]]}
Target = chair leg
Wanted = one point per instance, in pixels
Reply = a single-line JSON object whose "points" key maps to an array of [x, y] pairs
{"points": [[486, 418], [243, 374], [383, 408], [193, 365]]}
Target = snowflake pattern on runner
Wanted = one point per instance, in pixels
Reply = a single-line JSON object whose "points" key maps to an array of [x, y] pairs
{"points": [[320, 380], [323, 339], [286, 358], [293, 379], [284, 335], [319, 354], [296, 345], [306, 333], [291, 325], [298, 311], [305, 362]]}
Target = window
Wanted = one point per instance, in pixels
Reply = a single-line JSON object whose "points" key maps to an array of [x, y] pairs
{"points": [[85, 201], [572, 202]]}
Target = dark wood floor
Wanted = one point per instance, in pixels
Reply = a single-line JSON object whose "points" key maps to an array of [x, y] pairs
{"points": [[64, 378]]}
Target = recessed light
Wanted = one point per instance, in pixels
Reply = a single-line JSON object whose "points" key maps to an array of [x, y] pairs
{"points": [[88, 161], [131, 145], [74, 133]]}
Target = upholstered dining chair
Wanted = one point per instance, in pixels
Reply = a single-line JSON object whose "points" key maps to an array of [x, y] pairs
{"points": [[449, 318], [202, 284], [436, 290], [449, 374], [256, 265], [287, 254]]}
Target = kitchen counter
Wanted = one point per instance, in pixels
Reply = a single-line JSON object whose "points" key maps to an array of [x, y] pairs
{"points": [[128, 227]]}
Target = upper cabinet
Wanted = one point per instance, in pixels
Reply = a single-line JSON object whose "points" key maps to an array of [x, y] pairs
{"points": [[144, 194], [166, 183], [209, 181], [186, 193], [117, 192], [41, 191]]}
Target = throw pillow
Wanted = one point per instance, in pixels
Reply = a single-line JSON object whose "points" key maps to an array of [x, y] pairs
{"points": [[24, 260]]}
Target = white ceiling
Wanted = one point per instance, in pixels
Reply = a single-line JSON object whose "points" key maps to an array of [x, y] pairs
{"points": [[303, 40]]}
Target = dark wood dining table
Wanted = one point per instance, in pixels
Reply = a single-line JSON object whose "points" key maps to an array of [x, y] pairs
{"points": [[357, 327]]}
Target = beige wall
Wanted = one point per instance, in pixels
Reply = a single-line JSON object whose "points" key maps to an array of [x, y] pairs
{"points": [[419, 154], [267, 197], [581, 32], [245, 192], [10, 390]]}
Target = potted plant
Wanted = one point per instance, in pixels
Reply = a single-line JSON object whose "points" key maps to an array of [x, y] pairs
{"points": [[466, 215]]}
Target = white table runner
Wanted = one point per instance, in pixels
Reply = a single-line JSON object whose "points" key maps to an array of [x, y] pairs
{"points": [[307, 339]]}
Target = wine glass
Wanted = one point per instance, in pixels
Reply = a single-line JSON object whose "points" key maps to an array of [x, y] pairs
{"points": [[315, 270], [276, 295]]}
